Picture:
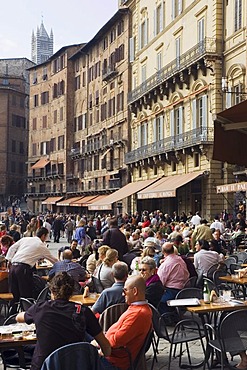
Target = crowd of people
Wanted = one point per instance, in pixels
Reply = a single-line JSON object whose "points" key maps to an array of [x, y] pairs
{"points": [[148, 257]]}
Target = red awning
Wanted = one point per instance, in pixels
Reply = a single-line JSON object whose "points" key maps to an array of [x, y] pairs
{"points": [[41, 163]]}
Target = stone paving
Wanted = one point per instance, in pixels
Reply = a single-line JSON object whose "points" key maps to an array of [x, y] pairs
{"points": [[195, 351]]}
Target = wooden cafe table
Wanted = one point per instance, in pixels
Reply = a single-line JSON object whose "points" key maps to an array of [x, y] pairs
{"points": [[88, 301], [15, 336], [212, 307], [205, 309], [232, 279]]}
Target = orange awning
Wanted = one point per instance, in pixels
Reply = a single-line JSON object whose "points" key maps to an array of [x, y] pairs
{"points": [[167, 186], [83, 202], [98, 198], [120, 194], [52, 200], [42, 162], [67, 202]]}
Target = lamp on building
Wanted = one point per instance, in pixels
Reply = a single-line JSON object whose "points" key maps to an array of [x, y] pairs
{"points": [[224, 84], [225, 88]]}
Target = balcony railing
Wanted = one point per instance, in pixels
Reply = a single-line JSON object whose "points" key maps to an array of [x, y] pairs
{"points": [[114, 184], [209, 46], [44, 176], [187, 139], [109, 72], [97, 145]]}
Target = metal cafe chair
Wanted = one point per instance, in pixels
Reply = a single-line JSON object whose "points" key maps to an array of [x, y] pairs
{"points": [[229, 338], [184, 332]]}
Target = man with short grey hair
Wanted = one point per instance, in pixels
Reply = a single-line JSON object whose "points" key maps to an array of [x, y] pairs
{"points": [[114, 294]]}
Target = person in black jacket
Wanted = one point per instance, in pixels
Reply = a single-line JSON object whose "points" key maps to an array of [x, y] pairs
{"points": [[154, 286], [115, 239], [57, 227], [59, 322]]}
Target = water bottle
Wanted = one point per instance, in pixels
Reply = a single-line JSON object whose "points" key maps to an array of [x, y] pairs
{"points": [[206, 293], [136, 271]]}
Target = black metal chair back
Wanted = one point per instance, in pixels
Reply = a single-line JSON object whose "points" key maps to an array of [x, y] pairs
{"points": [[25, 303], [44, 295], [111, 315]]}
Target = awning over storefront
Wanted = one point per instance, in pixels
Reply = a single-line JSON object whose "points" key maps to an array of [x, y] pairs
{"points": [[99, 198], [120, 194], [230, 134], [83, 202], [52, 200], [167, 186], [232, 188], [67, 202], [41, 163]]}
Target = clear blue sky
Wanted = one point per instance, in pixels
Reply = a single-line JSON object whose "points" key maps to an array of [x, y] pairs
{"points": [[72, 21]]}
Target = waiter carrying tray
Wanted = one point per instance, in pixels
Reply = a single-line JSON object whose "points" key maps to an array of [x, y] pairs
{"points": [[22, 257]]}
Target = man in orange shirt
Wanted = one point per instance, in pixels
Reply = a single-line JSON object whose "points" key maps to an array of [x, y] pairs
{"points": [[132, 327]]}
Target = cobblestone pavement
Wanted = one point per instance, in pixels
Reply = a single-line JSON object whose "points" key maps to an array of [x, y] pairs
{"points": [[164, 347]]}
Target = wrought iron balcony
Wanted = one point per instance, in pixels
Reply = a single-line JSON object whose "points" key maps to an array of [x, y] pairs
{"points": [[114, 184], [109, 72], [193, 137], [54, 174], [98, 145], [207, 47]]}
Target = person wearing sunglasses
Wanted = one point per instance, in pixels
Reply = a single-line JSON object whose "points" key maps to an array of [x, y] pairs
{"points": [[154, 286], [132, 327]]}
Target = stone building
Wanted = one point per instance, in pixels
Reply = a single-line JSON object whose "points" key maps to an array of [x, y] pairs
{"points": [[41, 45], [51, 127], [179, 52], [14, 91], [181, 62], [101, 116]]}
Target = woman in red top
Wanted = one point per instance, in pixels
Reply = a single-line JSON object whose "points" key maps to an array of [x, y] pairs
{"points": [[5, 243], [3, 230], [146, 222]]}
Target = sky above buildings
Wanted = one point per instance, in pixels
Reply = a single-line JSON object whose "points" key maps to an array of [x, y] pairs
{"points": [[72, 22]]}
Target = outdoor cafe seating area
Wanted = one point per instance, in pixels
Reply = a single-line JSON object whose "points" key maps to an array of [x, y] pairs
{"points": [[191, 321]]}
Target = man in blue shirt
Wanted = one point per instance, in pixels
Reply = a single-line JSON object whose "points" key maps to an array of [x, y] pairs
{"points": [[114, 294], [74, 269]]}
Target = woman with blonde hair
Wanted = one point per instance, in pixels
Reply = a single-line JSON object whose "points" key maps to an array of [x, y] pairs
{"points": [[14, 232], [149, 251], [96, 258], [104, 271]]}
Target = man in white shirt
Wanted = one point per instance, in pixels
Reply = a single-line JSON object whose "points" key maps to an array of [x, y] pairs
{"points": [[22, 257], [217, 225], [204, 258], [196, 220]]}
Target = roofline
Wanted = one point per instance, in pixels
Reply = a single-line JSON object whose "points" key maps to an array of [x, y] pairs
{"points": [[55, 55], [19, 58], [102, 31]]}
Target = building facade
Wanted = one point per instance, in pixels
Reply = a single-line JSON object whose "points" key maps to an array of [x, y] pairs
{"points": [[179, 52], [51, 125], [136, 104], [41, 45], [101, 116], [14, 95]]}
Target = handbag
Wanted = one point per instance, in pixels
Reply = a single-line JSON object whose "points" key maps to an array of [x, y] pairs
{"points": [[96, 284], [86, 241]]}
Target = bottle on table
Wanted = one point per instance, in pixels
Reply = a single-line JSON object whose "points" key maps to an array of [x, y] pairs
{"points": [[206, 293], [136, 271]]}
